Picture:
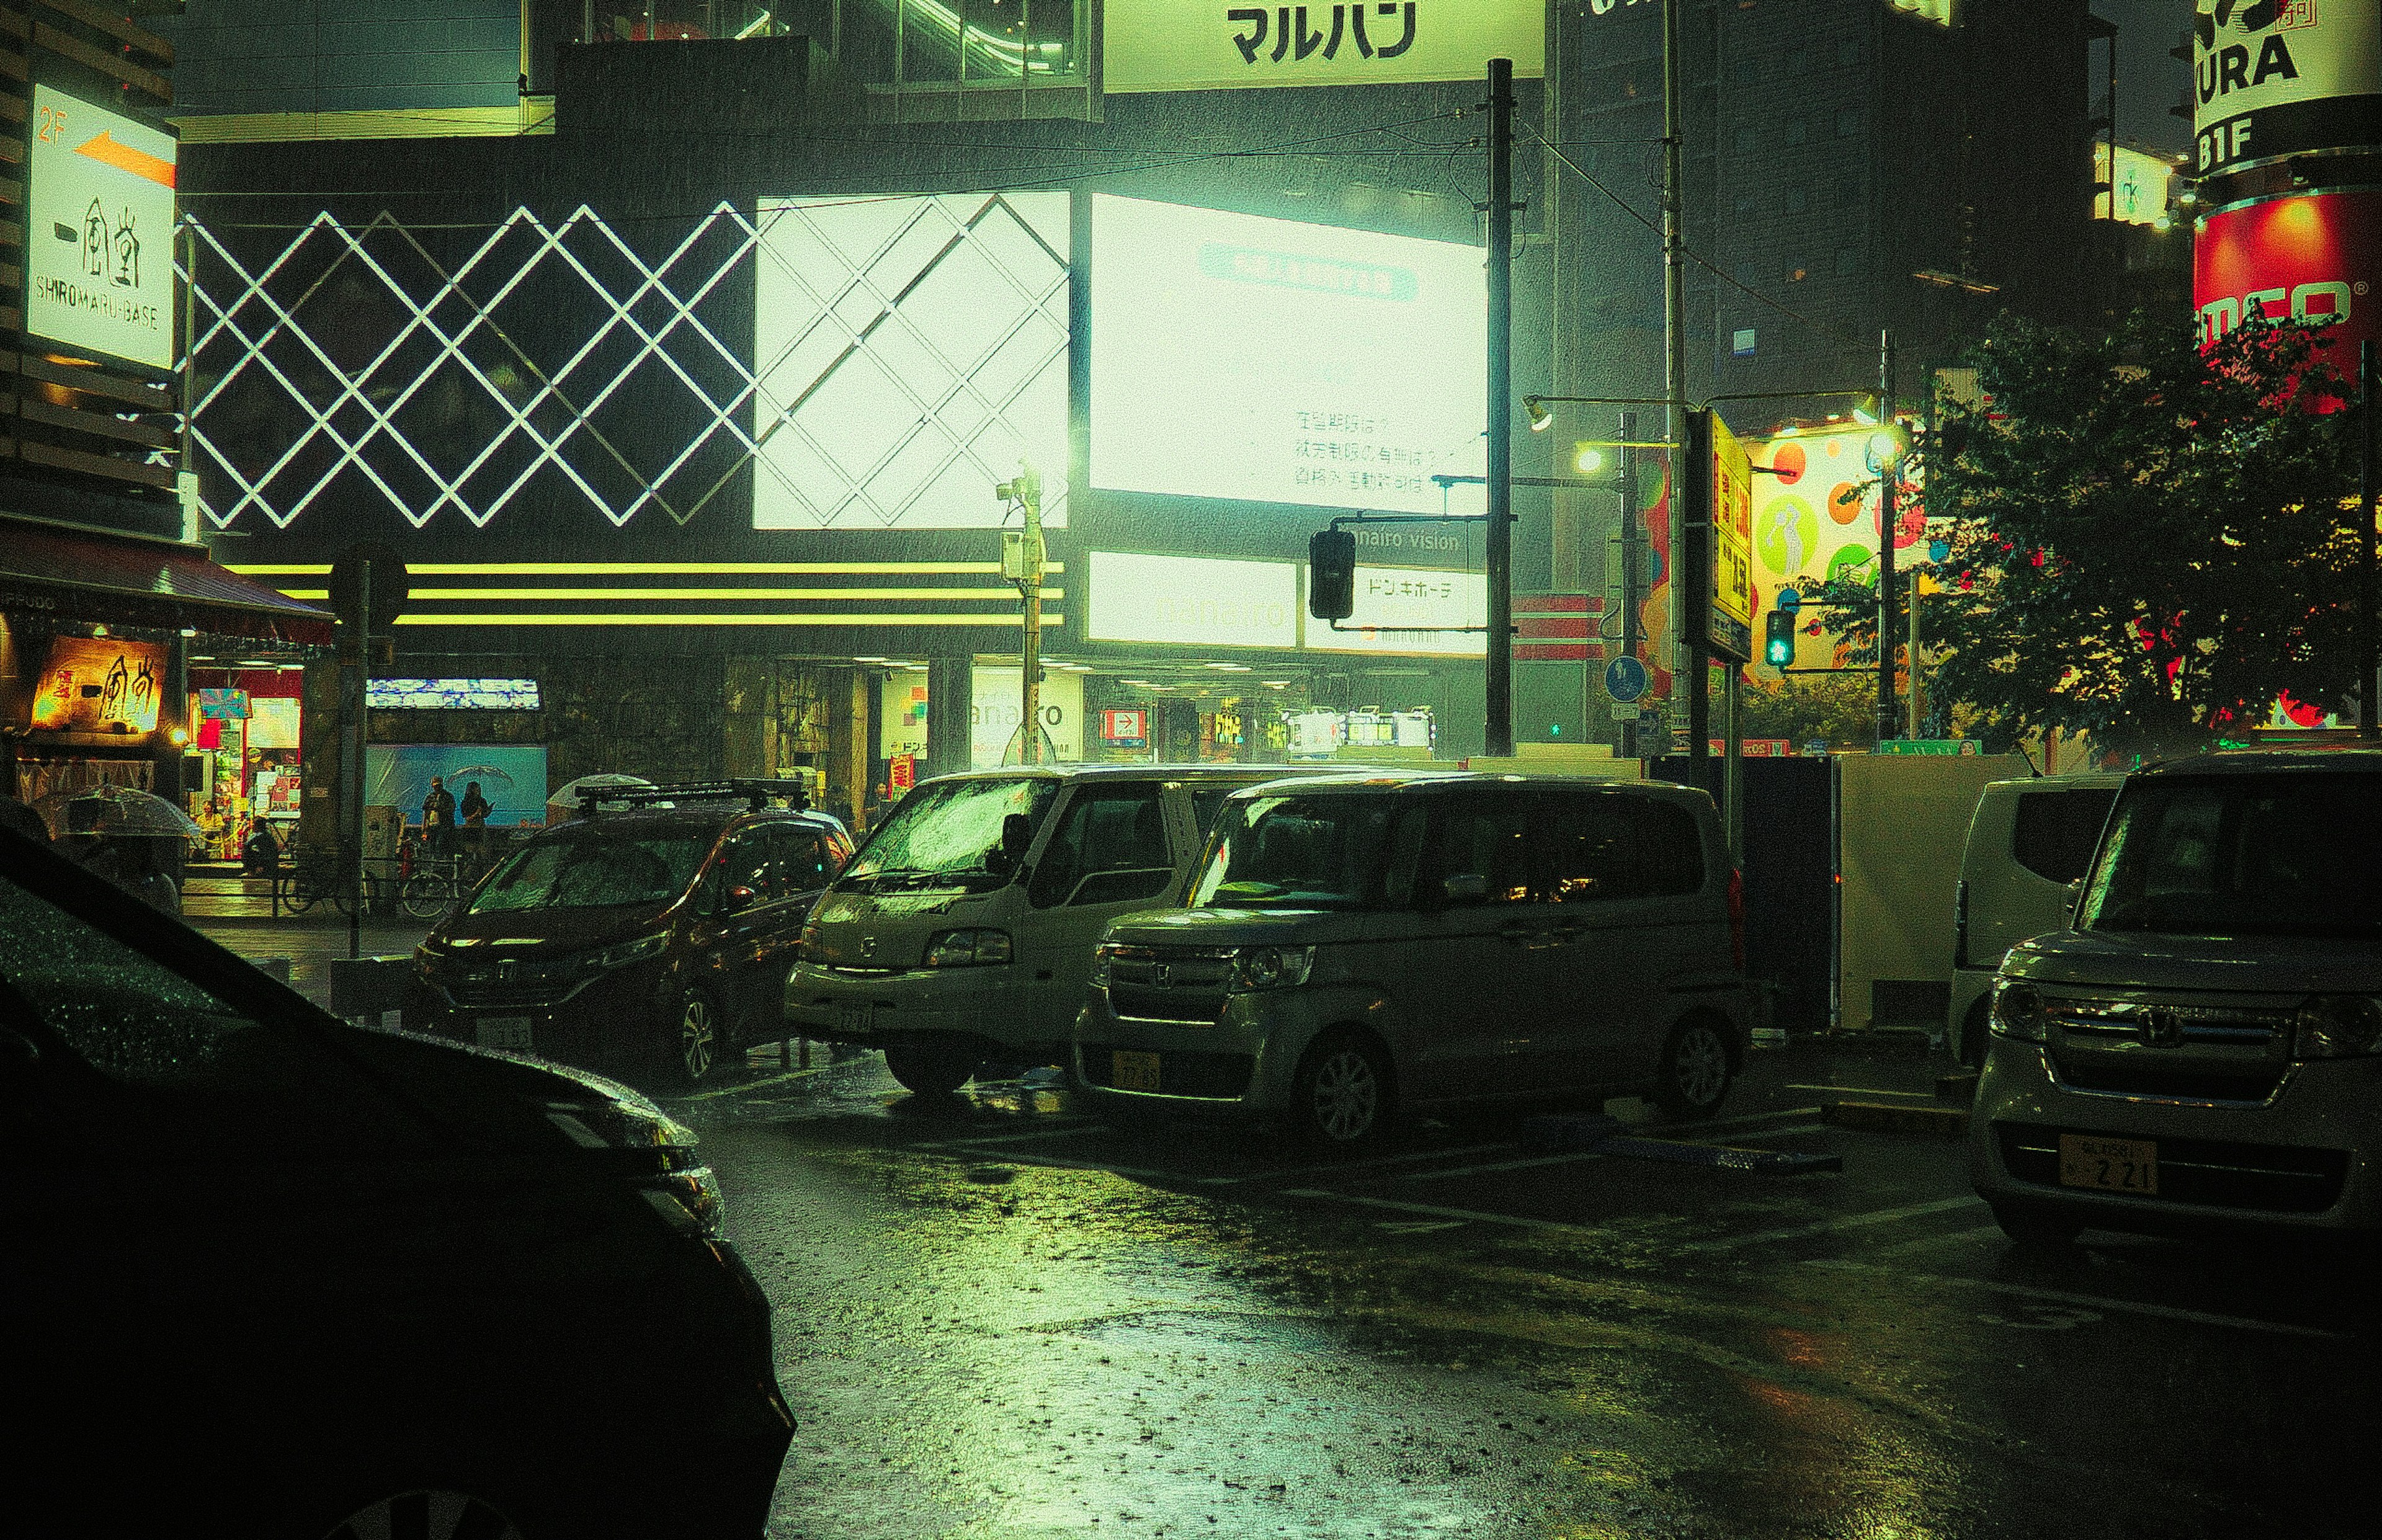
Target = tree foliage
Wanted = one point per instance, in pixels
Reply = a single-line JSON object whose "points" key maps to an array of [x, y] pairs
{"points": [[2149, 542]]}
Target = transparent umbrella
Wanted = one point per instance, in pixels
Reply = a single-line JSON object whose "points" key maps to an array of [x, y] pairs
{"points": [[115, 809], [563, 801]]}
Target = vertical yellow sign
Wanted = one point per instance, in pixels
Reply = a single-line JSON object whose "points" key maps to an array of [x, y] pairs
{"points": [[1732, 544]]}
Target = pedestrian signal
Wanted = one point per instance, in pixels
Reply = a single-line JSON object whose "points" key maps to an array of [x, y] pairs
{"points": [[1778, 639]]}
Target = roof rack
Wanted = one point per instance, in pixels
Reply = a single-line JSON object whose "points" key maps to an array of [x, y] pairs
{"points": [[756, 793]]}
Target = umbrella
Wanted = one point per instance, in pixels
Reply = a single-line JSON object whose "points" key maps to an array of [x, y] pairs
{"points": [[563, 801], [115, 809]]}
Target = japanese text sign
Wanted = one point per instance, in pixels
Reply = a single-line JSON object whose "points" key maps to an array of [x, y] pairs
{"points": [[1206, 44], [99, 236]]}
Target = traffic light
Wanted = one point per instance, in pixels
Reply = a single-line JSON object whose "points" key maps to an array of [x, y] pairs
{"points": [[1331, 574], [1778, 639]]}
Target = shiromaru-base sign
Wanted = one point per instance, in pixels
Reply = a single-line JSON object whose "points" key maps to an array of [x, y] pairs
{"points": [[99, 232], [1210, 45]]}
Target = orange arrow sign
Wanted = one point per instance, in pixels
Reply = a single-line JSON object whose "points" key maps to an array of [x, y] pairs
{"points": [[125, 158]]}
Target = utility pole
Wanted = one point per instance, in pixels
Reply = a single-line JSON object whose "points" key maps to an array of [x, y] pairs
{"points": [[353, 694], [2369, 718], [1889, 475], [1685, 658], [1498, 554], [1629, 565], [1021, 562]]}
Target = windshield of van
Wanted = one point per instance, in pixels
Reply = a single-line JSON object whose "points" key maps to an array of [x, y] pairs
{"points": [[952, 830], [596, 868], [1308, 852], [2286, 854]]}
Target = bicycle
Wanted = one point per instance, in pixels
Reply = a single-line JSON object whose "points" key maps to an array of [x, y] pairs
{"points": [[310, 876], [435, 885]]}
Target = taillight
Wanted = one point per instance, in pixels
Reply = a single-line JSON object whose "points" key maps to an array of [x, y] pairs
{"points": [[1737, 918]]}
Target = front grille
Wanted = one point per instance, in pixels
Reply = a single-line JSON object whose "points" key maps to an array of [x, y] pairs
{"points": [[1219, 1077], [1176, 984], [523, 995], [2118, 1075], [2188, 1025], [2277, 1179], [2186, 1051]]}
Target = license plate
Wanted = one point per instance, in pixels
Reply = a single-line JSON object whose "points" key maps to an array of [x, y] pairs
{"points": [[2109, 1165], [505, 1032], [852, 1019], [1132, 1072]]}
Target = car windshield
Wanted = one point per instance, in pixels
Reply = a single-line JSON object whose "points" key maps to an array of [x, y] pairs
{"points": [[954, 830], [1307, 852], [596, 868], [2286, 854]]}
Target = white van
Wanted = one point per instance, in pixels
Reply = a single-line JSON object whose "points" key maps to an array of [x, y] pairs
{"points": [[2029, 841], [964, 929]]}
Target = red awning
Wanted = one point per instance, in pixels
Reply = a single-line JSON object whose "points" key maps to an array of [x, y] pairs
{"points": [[124, 580]]}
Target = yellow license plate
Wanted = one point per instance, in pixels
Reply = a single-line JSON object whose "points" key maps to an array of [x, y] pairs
{"points": [[2109, 1165], [1132, 1072]]}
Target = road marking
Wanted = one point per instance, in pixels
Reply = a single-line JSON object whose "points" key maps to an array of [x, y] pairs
{"points": [[1696, 1130], [1079, 1126], [1865, 1091], [1395, 1205], [2092, 1301], [1502, 1166], [1102, 1165], [754, 1086], [1337, 1167], [1416, 1226], [1843, 1221]]}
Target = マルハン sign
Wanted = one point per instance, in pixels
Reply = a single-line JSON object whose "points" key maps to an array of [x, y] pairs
{"points": [[99, 231], [2276, 77], [1208, 44]]}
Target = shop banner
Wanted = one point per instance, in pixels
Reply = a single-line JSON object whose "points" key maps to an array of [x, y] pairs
{"points": [[99, 685], [2306, 256], [1210, 45], [99, 246], [2276, 77]]}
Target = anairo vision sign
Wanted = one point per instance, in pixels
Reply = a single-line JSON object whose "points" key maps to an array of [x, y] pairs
{"points": [[2276, 77]]}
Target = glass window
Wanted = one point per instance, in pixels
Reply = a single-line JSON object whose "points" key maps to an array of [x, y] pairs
{"points": [[593, 867], [801, 860], [1794, 132], [2054, 831], [1109, 845], [1206, 802], [1605, 846], [1313, 851], [2290, 854], [1486, 834], [952, 830]]}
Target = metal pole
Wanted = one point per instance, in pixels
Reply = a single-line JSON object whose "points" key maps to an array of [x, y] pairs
{"points": [[2369, 718], [1912, 705], [1675, 369], [1030, 659], [1498, 557], [1629, 560], [353, 814], [1887, 519]]}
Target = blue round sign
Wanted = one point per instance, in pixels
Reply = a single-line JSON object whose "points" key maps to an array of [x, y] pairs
{"points": [[1625, 679]]}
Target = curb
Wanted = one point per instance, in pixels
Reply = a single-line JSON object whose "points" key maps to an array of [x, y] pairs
{"points": [[1945, 1122]]}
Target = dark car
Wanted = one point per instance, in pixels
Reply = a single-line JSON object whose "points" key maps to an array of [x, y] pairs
{"points": [[642, 939], [277, 1276]]}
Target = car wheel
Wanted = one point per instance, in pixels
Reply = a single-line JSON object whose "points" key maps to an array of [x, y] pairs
{"points": [[1692, 1080], [430, 1515], [701, 1043], [2034, 1229], [1342, 1096], [930, 1069]]}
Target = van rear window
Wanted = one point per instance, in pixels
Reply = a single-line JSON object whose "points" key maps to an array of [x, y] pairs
{"points": [[2054, 831]]}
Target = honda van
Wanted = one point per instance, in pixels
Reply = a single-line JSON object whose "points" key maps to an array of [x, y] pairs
{"points": [[2029, 843]]}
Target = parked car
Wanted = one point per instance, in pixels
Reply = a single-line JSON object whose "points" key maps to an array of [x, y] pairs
{"points": [[963, 931], [2029, 843], [1360, 944], [650, 937], [2204, 1046], [286, 1278]]}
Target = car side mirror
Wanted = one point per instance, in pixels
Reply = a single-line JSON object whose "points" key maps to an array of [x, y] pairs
{"points": [[738, 898], [1464, 887]]}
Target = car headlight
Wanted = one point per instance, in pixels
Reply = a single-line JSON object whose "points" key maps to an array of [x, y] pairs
{"points": [[658, 1156], [967, 948], [808, 945], [2017, 1011], [1100, 956], [626, 953], [1272, 967], [2338, 1026]]}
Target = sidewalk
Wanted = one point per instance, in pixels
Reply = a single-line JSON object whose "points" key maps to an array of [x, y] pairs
{"points": [[310, 941]]}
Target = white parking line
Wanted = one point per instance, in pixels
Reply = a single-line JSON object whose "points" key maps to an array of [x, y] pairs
{"points": [[2090, 1301], [1503, 1166], [1938, 1242], [1043, 1132], [1338, 1166], [1865, 1091], [1842, 1221], [1515, 1220]]}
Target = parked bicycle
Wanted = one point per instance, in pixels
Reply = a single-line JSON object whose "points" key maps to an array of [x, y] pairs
{"points": [[312, 875], [435, 885]]}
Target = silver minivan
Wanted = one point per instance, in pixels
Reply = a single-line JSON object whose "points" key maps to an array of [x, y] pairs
{"points": [[2029, 843], [962, 931], [2205, 1044], [1359, 944]]}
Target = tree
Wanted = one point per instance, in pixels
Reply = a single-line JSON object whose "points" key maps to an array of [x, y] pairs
{"points": [[1837, 709], [2150, 541]]}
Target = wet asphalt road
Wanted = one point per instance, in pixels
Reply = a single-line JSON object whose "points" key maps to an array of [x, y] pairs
{"points": [[996, 1317]]}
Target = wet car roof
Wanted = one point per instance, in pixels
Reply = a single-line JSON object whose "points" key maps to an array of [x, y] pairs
{"points": [[1425, 780], [710, 814], [2247, 762]]}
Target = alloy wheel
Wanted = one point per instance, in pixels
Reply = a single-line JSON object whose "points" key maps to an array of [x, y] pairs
{"points": [[1700, 1067], [1348, 1096], [698, 1037]]}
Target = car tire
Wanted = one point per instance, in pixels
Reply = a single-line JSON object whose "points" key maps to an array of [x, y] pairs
{"points": [[1693, 1077], [930, 1069], [2034, 1230], [437, 1514], [1343, 1097], [699, 1039]]}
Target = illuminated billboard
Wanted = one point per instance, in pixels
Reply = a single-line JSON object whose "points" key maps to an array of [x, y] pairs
{"points": [[1410, 609], [2276, 77], [2306, 256], [2139, 185], [1814, 507], [1195, 45], [1730, 630], [99, 248], [1193, 600], [99, 685], [909, 352], [1269, 360]]}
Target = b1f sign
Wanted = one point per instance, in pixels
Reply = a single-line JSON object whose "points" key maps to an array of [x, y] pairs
{"points": [[1212, 44], [2301, 257], [2276, 77], [99, 232]]}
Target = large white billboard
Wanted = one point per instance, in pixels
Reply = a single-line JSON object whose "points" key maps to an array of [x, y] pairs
{"points": [[99, 231], [909, 352], [1192, 601], [1270, 361], [1196, 44], [2275, 78]]}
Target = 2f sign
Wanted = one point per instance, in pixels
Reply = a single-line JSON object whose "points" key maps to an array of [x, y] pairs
{"points": [[99, 269]]}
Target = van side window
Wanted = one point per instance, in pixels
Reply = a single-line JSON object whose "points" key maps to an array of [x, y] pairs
{"points": [[1206, 802], [1488, 835], [1603, 847], [2055, 831], [1110, 846], [803, 859]]}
